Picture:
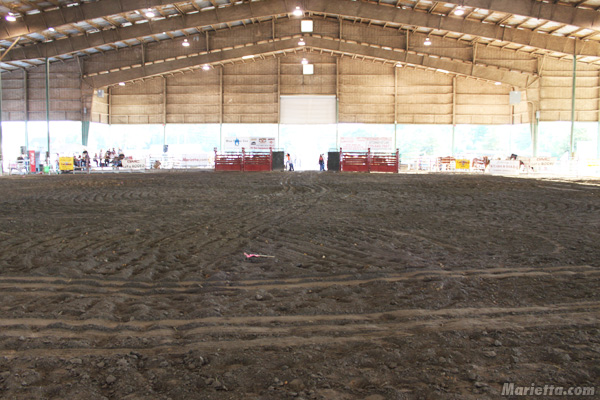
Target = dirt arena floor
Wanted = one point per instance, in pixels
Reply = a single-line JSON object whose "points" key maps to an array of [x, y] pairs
{"points": [[136, 286]]}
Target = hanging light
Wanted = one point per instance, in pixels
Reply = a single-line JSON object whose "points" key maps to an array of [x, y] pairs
{"points": [[297, 12], [206, 67], [304, 61], [52, 29], [399, 65], [185, 43], [301, 42], [247, 57], [150, 14], [498, 83], [459, 11], [11, 17], [427, 42], [121, 83]]}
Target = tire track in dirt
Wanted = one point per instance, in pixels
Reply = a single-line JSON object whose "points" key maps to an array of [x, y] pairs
{"points": [[256, 320], [179, 336], [53, 285]]}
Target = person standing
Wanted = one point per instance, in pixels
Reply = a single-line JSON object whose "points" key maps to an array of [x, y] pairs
{"points": [[86, 161], [321, 163], [290, 162]]}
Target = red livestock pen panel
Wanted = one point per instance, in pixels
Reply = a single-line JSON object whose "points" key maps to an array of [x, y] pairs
{"points": [[369, 162], [384, 162], [229, 162], [258, 161], [244, 161], [354, 162]]}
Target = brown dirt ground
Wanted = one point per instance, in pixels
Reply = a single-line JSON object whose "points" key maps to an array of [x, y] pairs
{"points": [[135, 286]]}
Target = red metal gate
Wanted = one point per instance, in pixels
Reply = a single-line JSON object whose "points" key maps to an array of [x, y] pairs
{"points": [[259, 161], [369, 162], [354, 161]]}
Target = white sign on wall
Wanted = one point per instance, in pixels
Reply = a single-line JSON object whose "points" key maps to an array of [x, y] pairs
{"points": [[365, 143], [514, 98], [504, 167], [197, 160], [134, 164], [539, 164], [249, 143]]}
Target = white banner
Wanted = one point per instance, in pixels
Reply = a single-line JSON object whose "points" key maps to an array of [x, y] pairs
{"points": [[197, 160], [134, 164], [542, 164], [504, 167], [249, 144], [365, 143], [538, 164]]}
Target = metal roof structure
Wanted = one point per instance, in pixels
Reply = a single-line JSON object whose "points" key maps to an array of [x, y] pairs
{"points": [[59, 30]]}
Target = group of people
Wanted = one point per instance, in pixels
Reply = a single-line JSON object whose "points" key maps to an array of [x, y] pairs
{"points": [[101, 159], [108, 158], [82, 161]]}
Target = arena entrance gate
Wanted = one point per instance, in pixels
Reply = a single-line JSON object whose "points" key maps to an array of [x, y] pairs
{"points": [[369, 162], [253, 161]]}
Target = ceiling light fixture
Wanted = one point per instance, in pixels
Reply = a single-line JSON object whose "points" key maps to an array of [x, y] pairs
{"points": [[304, 61], [427, 42], [52, 29], [150, 14], [185, 43], [121, 83], [498, 83], [206, 67], [247, 57], [10, 17], [297, 12], [459, 11], [399, 65], [301, 42]]}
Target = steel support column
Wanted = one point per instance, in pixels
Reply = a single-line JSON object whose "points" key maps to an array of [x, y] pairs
{"points": [[573, 94], [278, 102], [453, 113], [26, 110], [337, 102], [1, 148], [395, 107], [48, 110], [221, 106]]}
